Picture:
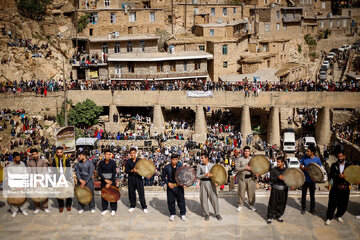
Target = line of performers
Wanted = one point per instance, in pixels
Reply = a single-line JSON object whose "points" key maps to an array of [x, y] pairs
{"points": [[338, 197]]}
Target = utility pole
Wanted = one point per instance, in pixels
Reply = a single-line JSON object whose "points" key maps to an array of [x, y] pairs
{"points": [[172, 16], [76, 24], [185, 11], [65, 95]]}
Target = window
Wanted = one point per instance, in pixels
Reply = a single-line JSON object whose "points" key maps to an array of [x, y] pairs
{"points": [[173, 66], [338, 23], [344, 23], [130, 30], [225, 64], [265, 47], [284, 45], [202, 48], [169, 18], [91, 31], [212, 12], [129, 47], [142, 46], [277, 15], [117, 47], [322, 23], [249, 26], [224, 12], [152, 17], [267, 27], [112, 17], [105, 48], [330, 23], [132, 17], [107, 3], [277, 26], [131, 67], [277, 1], [185, 66], [234, 11], [160, 67], [117, 69], [284, 26], [211, 32], [266, 1], [323, 5], [93, 18], [225, 49], [197, 64], [196, 10]]}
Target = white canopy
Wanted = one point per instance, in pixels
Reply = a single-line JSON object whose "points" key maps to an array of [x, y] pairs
{"points": [[86, 141]]}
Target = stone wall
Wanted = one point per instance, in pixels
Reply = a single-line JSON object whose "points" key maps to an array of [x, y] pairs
{"points": [[220, 99], [352, 151], [53, 101], [334, 42], [123, 24], [28, 101]]}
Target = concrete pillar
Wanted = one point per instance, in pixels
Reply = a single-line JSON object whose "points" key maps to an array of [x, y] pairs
{"points": [[112, 110], [74, 73], [322, 130], [273, 130], [158, 120], [245, 127], [200, 125]]}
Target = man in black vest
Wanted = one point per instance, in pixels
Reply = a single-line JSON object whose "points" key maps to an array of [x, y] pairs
{"points": [[173, 191], [340, 190]]}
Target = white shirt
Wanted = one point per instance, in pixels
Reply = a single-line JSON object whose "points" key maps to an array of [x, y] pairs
{"points": [[61, 166], [342, 166]]}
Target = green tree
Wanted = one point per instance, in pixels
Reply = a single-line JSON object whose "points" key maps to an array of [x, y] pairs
{"points": [[83, 22], [84, 114], [34, 9]]}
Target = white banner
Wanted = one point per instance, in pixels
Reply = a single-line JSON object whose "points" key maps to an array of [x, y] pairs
{"points": [[199, 94]]}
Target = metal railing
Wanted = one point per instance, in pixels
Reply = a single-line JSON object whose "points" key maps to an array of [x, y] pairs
{"points": [[156, 76]]}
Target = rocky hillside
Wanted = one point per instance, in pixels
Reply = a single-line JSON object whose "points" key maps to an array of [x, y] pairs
{"points": [[54, 30]]}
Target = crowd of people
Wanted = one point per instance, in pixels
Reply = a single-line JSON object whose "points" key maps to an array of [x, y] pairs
{"points": [[39, 87], [25, 132], [347, 132], [248, 87]]}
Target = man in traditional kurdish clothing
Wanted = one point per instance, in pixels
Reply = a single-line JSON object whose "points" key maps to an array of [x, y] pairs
{"points": [[84, 173], [107, 173], [62, 166], [207, 188], [279, 192]]}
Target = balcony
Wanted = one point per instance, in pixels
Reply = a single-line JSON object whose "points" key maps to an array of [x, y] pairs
{"points": [[159, 76], [291, 19], [241, 33]]}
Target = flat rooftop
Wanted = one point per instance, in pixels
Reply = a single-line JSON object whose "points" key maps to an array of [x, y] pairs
{"points": [[222, 24], [120, 38]]}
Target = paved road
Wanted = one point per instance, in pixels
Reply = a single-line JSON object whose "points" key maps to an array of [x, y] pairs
{"points": [[244, 225]]}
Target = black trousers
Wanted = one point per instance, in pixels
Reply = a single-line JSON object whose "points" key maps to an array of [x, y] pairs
{"points": [[338, 199], [136, 183], [277, 203], [105, 204], [311, 187], [62, 201], [177, 193]]}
